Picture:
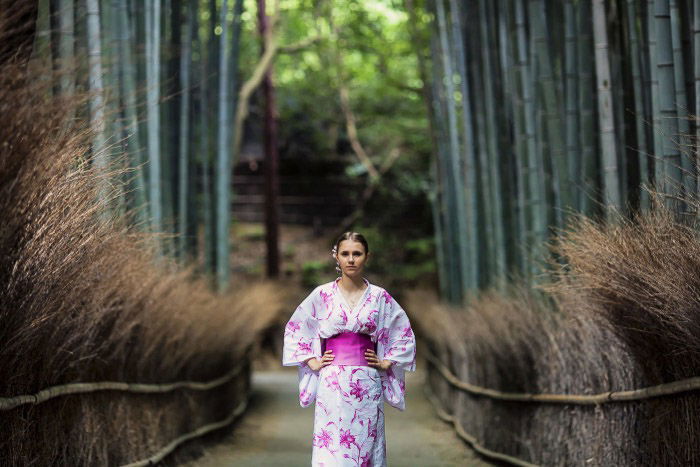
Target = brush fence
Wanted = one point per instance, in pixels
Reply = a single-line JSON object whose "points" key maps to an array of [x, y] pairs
{"points": [[464, 404], [235, 383]]}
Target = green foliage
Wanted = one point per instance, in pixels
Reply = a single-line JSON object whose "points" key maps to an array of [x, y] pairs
{"points": [[380, 70], [289, 252], [311, 273], [398, 259]]}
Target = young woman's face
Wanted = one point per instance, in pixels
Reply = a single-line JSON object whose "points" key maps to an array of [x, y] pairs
{"points": [[352, 257]]}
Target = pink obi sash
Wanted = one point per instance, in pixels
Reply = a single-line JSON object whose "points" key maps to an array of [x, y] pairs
{"points": [[349, 348]]}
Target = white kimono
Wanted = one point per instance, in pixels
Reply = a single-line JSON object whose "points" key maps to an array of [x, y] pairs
{"points": [[349, 414]]}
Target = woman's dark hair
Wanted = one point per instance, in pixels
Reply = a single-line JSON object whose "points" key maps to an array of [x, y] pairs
{"points": [[355, 237]]}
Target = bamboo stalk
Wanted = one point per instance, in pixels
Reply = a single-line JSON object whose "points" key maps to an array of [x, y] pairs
{"points": [[515, 112], [223, 156], [455, 195], [535, 170], [495, 214], [152, 32], [127, 84], [611, 183], [667, 117], [187, 32], [552, 146], [587, 178], [445, 259], [634, 33], [571, 63], [96, 102], [470, 255], [681, 101]]}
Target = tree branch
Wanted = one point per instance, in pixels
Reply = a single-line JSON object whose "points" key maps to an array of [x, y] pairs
{"points": [[300, 45]]}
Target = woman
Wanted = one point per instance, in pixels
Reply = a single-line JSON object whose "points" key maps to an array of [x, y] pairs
{"points": [[352, 343]]}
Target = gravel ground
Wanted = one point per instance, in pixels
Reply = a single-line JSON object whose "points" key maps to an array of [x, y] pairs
{"points": [[276, 431]]}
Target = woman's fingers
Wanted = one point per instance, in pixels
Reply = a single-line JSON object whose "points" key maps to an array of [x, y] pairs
{"points": [[327, 358], [372, 359]]}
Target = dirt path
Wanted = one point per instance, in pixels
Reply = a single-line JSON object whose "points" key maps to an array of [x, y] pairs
{"points": [[276, 431]]}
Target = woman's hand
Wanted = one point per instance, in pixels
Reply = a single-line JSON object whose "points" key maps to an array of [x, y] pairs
{"points": [[373, 361], [326, 360]]}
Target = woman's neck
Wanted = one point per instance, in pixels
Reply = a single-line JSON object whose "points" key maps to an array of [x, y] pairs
{"points": [[350, 284]]}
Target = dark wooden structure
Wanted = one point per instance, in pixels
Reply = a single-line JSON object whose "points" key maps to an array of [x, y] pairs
{"points": [[310, 192]]}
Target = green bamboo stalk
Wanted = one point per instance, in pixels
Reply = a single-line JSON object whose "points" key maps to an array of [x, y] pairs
{"points": [[440, 221], [552, 140], [486, 234], [640, 131], [223, 156], [611, 183], [587, 179], [667, 117], [656, 138], [535, 168], [618, 93], [446, 260], [428, 93], [681, 103], [66, 46], [513, 112], [212, 106], [41, 48], [204, 147], [96, 102], [573, 154], [187, 32], [455, 197], [127, 89], [152, 33], [470, 277], [114, 118], [495, 215]]}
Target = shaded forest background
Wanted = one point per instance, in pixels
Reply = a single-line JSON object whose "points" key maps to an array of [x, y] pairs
{"points": [[459, 136], [198, 105]]}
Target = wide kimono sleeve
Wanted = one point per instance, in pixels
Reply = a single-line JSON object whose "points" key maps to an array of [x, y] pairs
{"points": [[395, 342], [302, 341]]}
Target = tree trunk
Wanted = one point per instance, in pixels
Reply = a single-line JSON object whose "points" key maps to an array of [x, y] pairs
{"points": [[271, 156]]}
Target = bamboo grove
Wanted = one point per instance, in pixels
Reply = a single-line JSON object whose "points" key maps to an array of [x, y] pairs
{"points": [[161, 76], [543, 109]]}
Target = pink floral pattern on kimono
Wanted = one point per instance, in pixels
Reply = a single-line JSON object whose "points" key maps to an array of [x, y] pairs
{"points": [[349, 399]]}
